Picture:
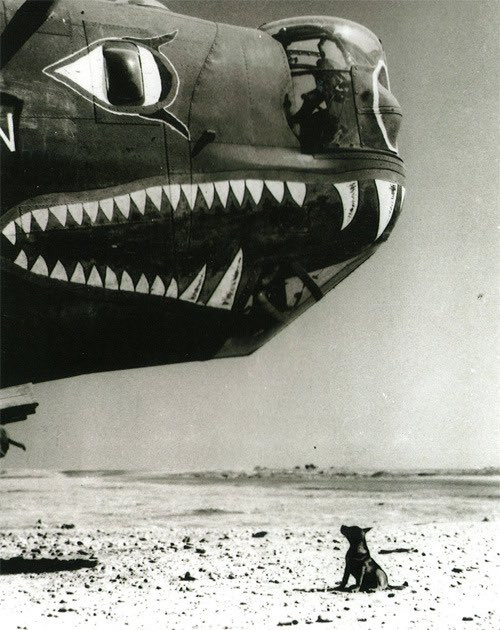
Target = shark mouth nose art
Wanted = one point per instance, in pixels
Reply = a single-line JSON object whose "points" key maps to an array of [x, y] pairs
{"points": [[63, 239], [145, 208]]}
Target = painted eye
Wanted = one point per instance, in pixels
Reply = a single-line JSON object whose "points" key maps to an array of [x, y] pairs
{"points": [[125, 76]]}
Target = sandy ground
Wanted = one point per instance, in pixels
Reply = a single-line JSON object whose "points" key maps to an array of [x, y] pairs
{"points": [[239, 581]]}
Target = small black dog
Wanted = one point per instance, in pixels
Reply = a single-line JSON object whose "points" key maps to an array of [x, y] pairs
{"points": [[367, 573]]}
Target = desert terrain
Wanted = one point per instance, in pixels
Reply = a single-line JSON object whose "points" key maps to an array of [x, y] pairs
{"points": [[124, 550]]}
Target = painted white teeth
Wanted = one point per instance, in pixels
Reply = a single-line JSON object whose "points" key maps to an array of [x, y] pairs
{"points": [[154, 194], [192, 293], [173, 289], [78, 276], [24, 222], [349, 194], [9, 232], [207, 190], [255, 188], [107, 208], [298, 192], [222, 189], [238, 188], [94, 278], [142, 285], [40, 267], [123, 204], [157, 288], [42, 217], [110, 279], [173, 193], [21, 260], [190, 191], [126, 284], [387, 192], [91, 208], [59, 272], [277, 189], [139, 198], [61, 213], [76, 211], [224, 294]]}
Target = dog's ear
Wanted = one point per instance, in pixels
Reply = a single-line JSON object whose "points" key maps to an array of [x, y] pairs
{"points": [[367, 529]]}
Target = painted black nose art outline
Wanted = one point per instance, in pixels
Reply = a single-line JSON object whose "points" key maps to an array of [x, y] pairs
{"points": [[84, 72]]}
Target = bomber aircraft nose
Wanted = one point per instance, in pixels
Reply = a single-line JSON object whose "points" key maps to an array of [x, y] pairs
{"points": [[175, 189]]}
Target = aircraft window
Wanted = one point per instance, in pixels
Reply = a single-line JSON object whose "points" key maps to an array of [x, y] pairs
{"points": [[307, 55], [358, 44], [131, 73], [310, 62], [123, 73], [321, 53], [321, 86]]}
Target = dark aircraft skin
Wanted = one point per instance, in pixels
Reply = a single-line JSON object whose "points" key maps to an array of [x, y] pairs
{"points": [[175, 189]]}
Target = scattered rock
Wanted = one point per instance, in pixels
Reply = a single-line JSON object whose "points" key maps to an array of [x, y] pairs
{"points": [[187, 577], [259, 534]]}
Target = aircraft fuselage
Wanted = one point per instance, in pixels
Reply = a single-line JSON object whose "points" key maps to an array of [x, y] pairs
{"points": [[175, 189]]}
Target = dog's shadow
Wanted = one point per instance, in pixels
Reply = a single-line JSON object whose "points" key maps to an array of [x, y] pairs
{"points": [[349, 589], [323, 589]]}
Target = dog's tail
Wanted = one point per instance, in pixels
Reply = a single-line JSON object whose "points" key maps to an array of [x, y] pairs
{"points": [[397, 587]]}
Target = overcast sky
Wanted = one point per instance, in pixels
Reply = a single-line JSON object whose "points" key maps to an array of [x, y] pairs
{"points": [[397, 366]]}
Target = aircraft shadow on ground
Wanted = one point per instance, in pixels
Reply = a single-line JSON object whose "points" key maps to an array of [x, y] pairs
{"points": [[19, 564]]}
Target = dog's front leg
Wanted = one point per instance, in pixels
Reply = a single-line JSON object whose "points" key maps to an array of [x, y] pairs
{"points": [[345, 577], [360, 580]]}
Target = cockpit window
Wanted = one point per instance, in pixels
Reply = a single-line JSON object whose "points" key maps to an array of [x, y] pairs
{"points": [[324, 55], [358, 45], [313, 63]]}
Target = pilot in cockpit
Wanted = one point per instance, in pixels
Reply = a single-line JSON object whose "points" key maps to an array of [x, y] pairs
{"points": [[319, 116]]}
